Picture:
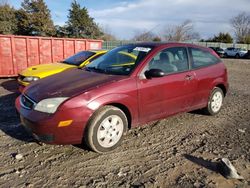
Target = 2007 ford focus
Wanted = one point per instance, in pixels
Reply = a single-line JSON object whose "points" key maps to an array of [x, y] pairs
{"points": [[128, 86]]}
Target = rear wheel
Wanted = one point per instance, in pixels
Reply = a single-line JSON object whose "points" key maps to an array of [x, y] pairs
{"points": [[105, 129], [237, 56], [215, 102]]}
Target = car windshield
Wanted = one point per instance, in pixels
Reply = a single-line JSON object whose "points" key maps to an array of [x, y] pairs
{"points": [[120, 61], [78, 58]]}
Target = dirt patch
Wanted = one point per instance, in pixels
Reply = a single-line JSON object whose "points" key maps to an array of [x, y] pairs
{"points": [[176, 152]]}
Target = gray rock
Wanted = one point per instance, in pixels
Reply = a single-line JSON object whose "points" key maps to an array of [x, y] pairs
{"points": [[242, 130], [197, 185], [19, 157], [120, 174], [226, 168]]}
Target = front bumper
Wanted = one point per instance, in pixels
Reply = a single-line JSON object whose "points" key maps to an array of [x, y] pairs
{"points": [[21, 82], [44, 127], [46, 138]]}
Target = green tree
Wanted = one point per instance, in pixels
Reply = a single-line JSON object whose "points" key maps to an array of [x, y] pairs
{"points": [[221, 37], [80, 24], [34, 18], [8, 21], [61, 31]]}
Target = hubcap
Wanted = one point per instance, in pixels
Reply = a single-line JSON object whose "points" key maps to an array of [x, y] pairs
{"points": [[110, 131], [216, 102]]}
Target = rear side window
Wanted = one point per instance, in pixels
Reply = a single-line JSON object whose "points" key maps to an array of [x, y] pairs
{"points": [[202, 58], [78, 58]]}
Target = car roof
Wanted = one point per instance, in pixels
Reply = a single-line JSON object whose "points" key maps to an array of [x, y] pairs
{"points": [[166, 44]]}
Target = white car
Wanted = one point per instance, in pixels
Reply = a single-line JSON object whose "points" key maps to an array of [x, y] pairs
{"points": [[235, 52]]}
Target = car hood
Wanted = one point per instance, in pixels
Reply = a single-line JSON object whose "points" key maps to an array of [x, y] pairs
{"points": [[44, 70], [68, 84]]}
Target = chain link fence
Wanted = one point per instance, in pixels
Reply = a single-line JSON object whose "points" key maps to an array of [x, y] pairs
{"points": [[108, 45]]}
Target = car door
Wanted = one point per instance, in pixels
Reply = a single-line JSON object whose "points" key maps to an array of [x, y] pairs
{"points": [[170, 94]]}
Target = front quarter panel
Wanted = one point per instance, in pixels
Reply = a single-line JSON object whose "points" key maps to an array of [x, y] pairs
{"points": [[122, 92], [129, 102]]}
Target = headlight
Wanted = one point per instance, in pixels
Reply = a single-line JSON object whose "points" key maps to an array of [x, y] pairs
{"points": [[30, 78], [49, 105]]}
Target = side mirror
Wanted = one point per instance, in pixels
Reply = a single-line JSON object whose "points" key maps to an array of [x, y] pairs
{"points": [[154, 73]]}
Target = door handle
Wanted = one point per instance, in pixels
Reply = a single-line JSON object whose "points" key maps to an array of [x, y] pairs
{"points": [[189, 77]]}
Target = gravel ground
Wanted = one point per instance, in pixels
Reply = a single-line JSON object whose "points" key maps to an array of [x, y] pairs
{"points": [[180, 151]]}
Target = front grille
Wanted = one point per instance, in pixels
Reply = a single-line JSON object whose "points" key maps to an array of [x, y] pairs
{"points": [[26, 102]]}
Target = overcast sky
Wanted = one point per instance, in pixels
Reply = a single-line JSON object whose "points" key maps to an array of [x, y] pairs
{"points": [[125, 18]]}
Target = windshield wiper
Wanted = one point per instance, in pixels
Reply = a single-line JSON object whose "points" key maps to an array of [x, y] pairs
{"points": [[65, 62], [95, 69]]}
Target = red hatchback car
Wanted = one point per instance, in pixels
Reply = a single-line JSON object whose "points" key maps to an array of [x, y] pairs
{"points": [[97, 104]]}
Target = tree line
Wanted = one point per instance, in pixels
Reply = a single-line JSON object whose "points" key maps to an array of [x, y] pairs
{"points": [[185, 32], [34, 18]]}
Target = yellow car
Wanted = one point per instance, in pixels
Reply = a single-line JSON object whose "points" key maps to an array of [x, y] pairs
{"points": [[37, 72]]}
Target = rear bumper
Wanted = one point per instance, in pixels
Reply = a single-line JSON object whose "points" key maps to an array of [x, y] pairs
{"points": [[45, 127]]}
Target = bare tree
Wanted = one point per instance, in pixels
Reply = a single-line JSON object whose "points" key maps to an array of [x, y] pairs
{"points": [[241, 26], [183, 32], [4, 2], [146, 36], [107, 33]]}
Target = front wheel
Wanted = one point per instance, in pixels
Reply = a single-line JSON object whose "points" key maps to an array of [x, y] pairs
{"points": [[105, 129], [215, 102]]}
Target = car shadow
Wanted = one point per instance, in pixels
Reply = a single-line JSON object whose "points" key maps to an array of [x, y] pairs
{"points": [[9, 118], [82, 146], [198, 112], [10, 85]]}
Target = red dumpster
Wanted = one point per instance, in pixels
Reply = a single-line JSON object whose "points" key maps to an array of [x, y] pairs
{"points": [[19, 52]]}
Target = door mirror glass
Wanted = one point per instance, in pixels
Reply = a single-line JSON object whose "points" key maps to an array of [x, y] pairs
{"points": [[154, 73]]}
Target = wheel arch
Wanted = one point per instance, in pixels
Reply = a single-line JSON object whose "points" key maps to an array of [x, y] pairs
{"points": [[223, 88], [125, 109], [128, 104]]}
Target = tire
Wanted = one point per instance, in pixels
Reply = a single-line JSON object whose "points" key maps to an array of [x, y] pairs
{"points": [[105, 129], [225, 55], [215, 102], [237, 56]]}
